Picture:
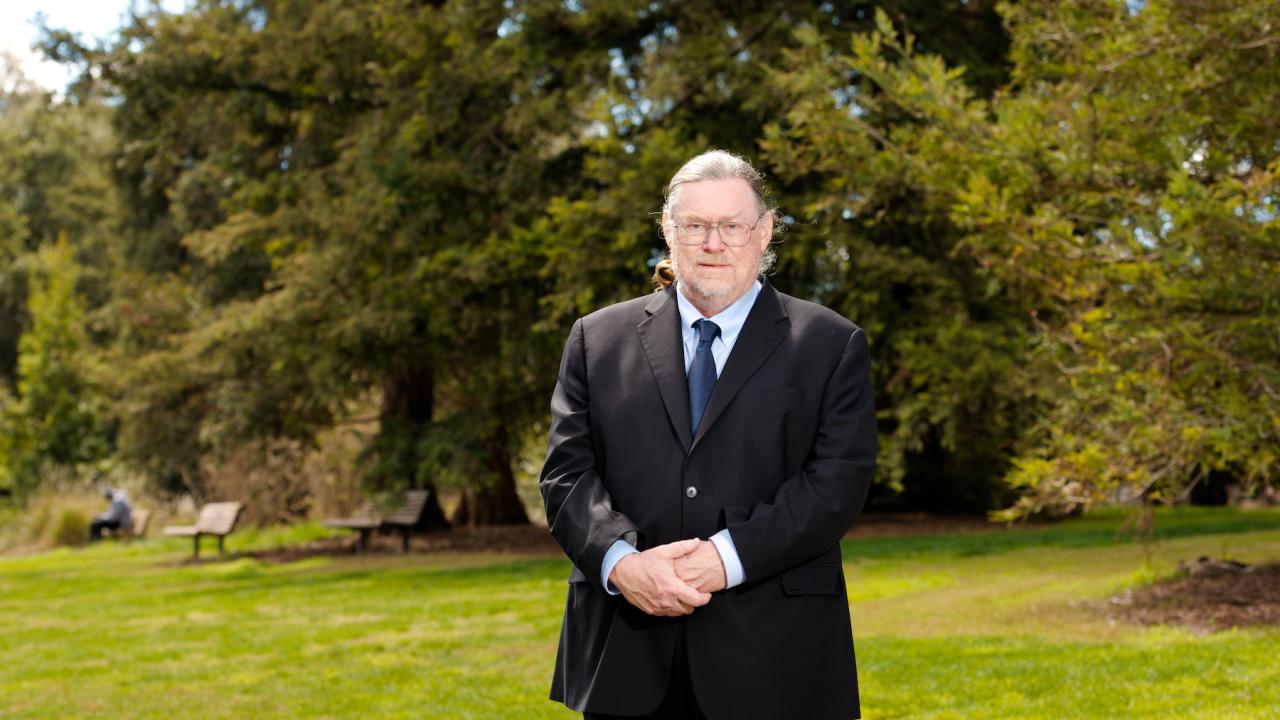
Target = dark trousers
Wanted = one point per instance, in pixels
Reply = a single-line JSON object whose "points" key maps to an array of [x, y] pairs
{"points": [[96, 527], [679, 704]]}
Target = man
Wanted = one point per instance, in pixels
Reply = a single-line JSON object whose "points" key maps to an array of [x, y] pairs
{"points": [[118, 516], [710, 444]]}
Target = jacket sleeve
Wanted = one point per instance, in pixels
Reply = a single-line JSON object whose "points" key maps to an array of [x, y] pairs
{"points": [[580, 512], [814, 508]]}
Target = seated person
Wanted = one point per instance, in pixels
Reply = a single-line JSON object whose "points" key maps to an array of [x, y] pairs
{"points": [[118, 516]]}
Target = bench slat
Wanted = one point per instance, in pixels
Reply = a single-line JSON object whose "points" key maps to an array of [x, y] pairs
{"points": [[415, 501], [218, 518]]}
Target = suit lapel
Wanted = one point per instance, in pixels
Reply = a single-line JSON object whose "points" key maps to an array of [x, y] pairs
{"points": [[761, 333], [660, 336]]}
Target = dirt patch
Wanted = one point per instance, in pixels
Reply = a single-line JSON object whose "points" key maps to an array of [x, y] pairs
{"points": [[1208, 596], [916, 523]]}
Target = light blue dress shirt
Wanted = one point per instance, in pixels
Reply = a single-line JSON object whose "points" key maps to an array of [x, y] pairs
{"points": [[730, 320]]}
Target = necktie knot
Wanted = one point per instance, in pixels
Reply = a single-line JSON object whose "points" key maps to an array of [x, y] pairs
{"points": [[707, 331]]}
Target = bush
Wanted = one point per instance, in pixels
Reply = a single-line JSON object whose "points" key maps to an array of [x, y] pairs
{"points": [[72, 529], [283, 482]]}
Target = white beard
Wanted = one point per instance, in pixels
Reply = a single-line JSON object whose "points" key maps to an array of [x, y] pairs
{"points": [[709, 289]]}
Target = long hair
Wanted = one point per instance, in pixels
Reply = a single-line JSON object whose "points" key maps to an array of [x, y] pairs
{"points": [[663, 275]]}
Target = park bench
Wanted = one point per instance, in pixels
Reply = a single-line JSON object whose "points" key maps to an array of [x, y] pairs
{"points": [[370, 517], [139, 528], [217, 519]]}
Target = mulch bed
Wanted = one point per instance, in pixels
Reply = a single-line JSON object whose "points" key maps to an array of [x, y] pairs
{"points": [[1224, 597], [883, 524]]}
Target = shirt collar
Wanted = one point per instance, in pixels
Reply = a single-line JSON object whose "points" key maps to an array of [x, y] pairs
{"points": [[730, 320]]}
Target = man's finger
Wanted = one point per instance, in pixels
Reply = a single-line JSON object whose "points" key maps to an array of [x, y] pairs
{"points": [[679, 548], [689, 595]]}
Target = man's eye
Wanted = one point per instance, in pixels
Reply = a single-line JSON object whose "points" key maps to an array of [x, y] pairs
{"points": [[733, 228], [694, 227]]}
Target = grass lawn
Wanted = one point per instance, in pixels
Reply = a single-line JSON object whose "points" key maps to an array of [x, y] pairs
{"points": [[992, 624]]}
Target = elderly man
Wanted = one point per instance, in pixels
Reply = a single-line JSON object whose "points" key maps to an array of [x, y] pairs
{"points": [[710, 444]]}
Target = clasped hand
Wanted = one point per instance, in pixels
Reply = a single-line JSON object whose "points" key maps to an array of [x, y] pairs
{"points": [[670, 580]]}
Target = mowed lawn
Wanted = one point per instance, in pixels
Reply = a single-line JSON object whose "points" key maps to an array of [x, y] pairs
{"points": [[992, 624]]}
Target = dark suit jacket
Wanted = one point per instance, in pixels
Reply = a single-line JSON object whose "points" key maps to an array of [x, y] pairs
{"points": [[783, 458]]}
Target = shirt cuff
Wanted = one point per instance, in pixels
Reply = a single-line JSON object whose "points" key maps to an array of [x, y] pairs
{"points": [[616, 552], [733, 572]]}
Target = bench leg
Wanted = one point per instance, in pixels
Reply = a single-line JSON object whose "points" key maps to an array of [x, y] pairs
{"points": [[363, 541], [220, 553], [195, 549], [404, 540]]}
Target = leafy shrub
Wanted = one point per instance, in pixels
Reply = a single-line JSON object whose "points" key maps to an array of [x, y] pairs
{"points": [[72, 528]]}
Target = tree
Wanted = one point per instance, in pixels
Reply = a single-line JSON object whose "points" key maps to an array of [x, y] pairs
{"points": [[703, 75], [1118, 195], [327, 201], [52, 187], [56, 419], [52, 182], [333, 222]]}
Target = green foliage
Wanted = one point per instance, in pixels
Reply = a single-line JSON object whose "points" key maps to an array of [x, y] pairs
{"points": [[56, 207], [327, 202], [706, 78], [28, 523], [1115, 203], [56, 419], [325, 224], [1056, 222], [52, 181], [71, 529]]}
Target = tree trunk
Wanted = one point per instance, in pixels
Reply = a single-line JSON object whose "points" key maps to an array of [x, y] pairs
{"points": [[495, 503], [408, 397]]}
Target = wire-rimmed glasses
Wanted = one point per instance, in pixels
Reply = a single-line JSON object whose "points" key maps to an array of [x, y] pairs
{"points": [[733, 233]]}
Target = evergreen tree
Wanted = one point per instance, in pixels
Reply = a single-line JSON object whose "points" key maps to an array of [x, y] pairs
{"points": [[1117, 197], [55, 420]]}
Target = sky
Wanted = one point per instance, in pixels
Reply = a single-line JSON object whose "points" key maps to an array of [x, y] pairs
{"points": [[92, 18]]}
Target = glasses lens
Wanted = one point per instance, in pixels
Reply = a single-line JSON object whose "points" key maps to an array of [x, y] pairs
{"points": [[731, 233]]}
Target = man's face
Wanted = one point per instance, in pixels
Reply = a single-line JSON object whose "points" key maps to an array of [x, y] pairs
{"points": [[713, 272]]}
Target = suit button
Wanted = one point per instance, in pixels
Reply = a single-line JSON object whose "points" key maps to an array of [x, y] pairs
{"points": [[691, 492]]}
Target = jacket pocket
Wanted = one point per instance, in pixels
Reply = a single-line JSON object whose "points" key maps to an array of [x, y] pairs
{"points": [[811, 580]]}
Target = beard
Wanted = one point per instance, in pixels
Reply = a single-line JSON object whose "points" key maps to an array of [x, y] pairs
{"points": [[709, 288]]}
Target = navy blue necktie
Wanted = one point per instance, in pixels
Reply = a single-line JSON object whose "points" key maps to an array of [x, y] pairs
{"points": [[702, 372]]}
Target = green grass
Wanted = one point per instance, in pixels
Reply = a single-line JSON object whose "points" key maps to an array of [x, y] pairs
{"points": [[968, 625]]}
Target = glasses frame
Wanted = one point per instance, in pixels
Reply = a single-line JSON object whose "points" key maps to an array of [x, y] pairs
{"points": [[716, 227]]}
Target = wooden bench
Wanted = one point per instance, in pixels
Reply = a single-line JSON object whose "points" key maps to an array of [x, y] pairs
{"points": [[369, 517], [217, 519], [139, 529]]}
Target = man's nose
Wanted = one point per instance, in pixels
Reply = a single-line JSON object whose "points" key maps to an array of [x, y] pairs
{"points": [[714, 241]]}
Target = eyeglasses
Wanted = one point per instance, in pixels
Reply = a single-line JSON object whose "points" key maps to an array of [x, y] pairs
{"points": [[732, 233]]}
